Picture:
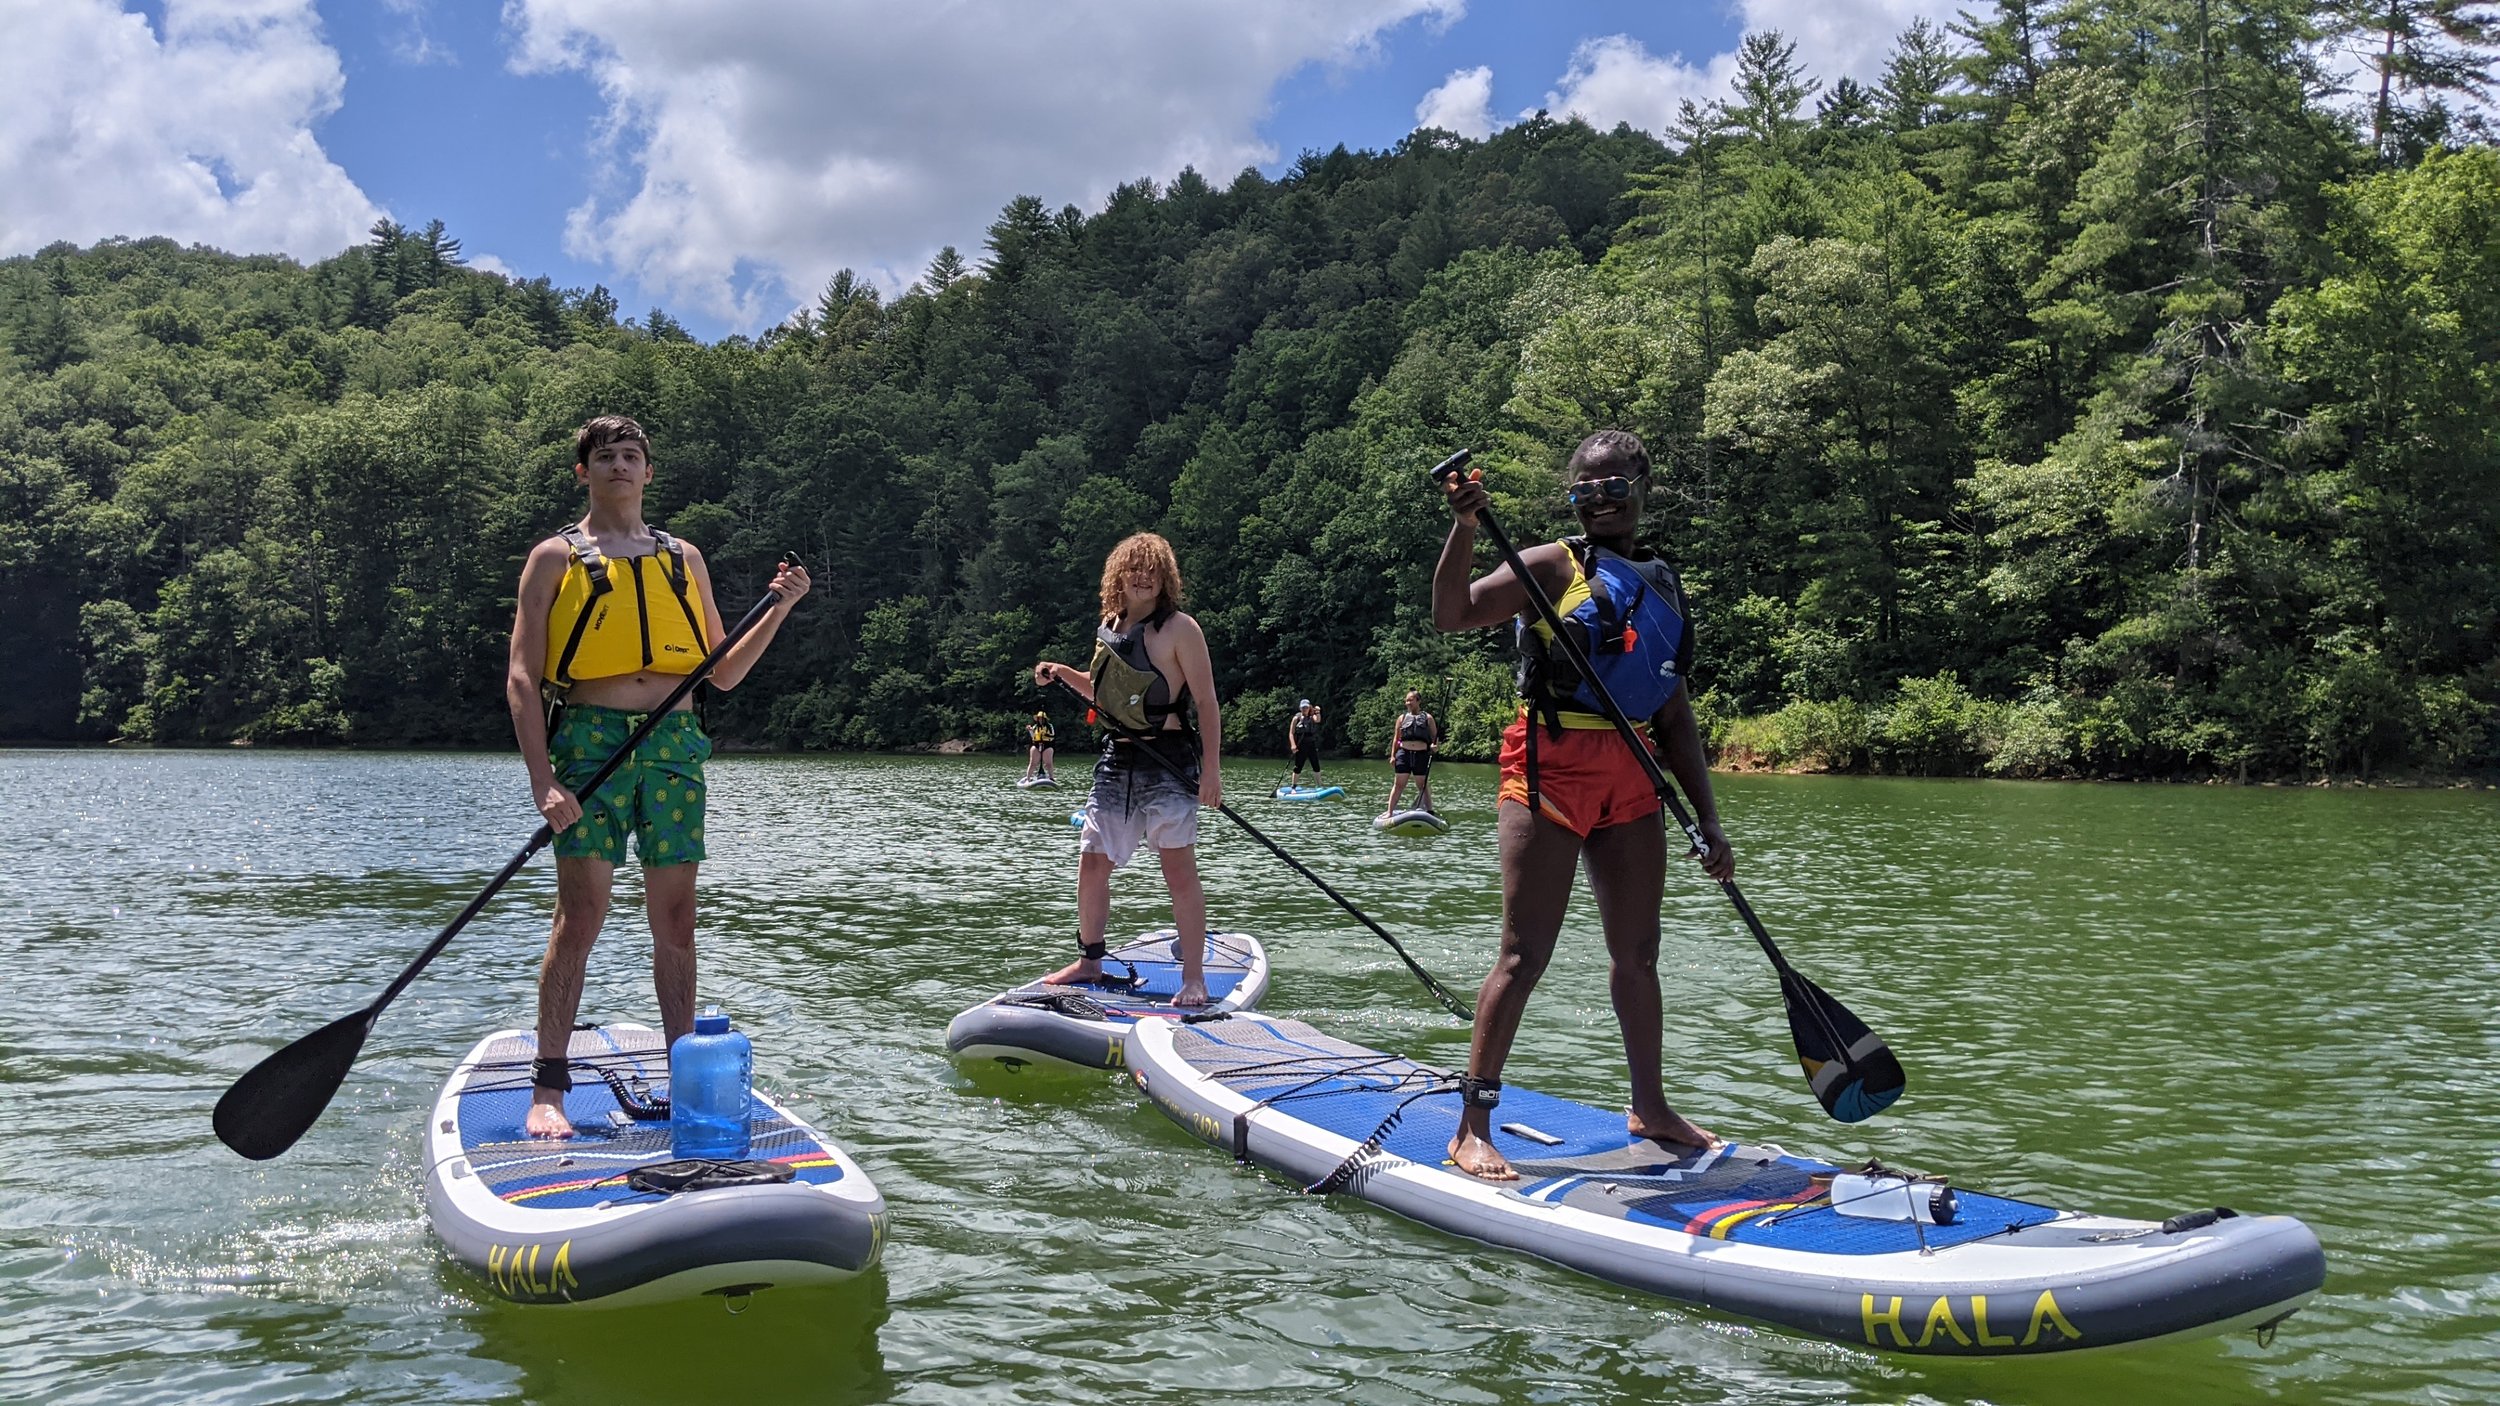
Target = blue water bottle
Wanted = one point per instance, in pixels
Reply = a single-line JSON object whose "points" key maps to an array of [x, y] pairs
{"points": [[710, 1078]]}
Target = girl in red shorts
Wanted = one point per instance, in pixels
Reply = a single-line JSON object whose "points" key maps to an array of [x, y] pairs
{"points": [[1569, 784]]}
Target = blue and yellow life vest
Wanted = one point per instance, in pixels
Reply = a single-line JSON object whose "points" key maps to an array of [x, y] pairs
{"points": [[1629, 618], [593, 632]]}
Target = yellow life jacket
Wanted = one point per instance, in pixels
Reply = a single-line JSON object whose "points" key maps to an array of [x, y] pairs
{"points": [[1039, 734], [604, 622]]}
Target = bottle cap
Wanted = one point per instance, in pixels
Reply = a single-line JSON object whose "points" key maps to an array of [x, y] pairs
{"points": [[711, 1021]]}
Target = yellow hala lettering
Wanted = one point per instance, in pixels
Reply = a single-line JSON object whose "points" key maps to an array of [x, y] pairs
{"points": [[514, 1270], [1941, 1318], [2045, 1312], [1940, 1315], [1890, 1319]]}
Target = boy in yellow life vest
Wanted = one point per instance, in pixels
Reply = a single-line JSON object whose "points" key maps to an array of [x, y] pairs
{"points": [[612, 613]]}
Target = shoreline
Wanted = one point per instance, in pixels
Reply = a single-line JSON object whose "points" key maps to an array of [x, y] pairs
{"points": [[959, 747]]}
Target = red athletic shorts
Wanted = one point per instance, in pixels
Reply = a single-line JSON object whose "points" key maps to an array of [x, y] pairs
{"points": [[1586, 778]]}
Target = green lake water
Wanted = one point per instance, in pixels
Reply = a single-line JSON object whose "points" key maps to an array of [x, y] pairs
{"points": [[2139, 1000]]}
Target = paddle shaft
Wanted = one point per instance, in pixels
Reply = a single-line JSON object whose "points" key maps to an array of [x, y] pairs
{"points": [[1440, 993], [1544, 607], [585, 791]]}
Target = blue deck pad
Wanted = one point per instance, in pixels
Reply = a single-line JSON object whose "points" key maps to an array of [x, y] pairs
{"points": [[590, 1167], [1158, 977], [1745, 1195]]}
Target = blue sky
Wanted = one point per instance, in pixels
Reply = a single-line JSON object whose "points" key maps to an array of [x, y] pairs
{"points": [[722, 160]]}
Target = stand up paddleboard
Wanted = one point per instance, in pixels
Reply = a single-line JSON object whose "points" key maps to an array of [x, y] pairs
{"points": [[1037, 783], [610, 1217], [1412, 822], [1087, 1026], [1308, 793], [1881, 1261]]}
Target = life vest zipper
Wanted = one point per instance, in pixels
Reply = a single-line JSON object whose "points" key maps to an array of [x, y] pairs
{"points": [[642, 610]]}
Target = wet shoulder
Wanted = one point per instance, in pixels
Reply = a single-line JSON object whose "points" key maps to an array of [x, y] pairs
{"points": [[550, 557], [1551, 563]]}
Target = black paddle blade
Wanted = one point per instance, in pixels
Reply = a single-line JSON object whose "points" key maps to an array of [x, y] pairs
{"points": [[1850, 1069], [266, 1110]]}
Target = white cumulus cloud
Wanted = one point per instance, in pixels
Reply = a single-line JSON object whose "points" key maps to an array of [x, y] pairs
{"points": [[204, 134], [1462, 104], [767, 145], [1847, 38], [1616, 79]]}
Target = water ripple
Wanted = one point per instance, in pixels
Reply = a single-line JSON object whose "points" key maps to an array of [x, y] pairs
{"points": [[2138, 999]]}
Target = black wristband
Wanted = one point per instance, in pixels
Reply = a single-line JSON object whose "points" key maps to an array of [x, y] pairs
{"points": [[552, 1073]]}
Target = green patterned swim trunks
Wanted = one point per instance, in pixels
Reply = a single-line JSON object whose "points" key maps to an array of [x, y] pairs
{"points": [[657, 796]]}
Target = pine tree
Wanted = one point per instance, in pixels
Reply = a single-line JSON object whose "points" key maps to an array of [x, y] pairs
{"points": [[2421, 53], [1771, 86]]}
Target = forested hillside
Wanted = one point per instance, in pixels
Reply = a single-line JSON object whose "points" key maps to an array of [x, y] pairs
{"points": [[2095, 395]]}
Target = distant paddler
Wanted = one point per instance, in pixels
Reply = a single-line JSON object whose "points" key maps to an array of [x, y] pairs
{"points": [[1150, 660], [1412, 740], [1570, 787], [1041, 748], [612, 613], [1302, 740]]}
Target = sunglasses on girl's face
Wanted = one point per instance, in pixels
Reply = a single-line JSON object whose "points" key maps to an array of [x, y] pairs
{"points": [[1594, 490]]}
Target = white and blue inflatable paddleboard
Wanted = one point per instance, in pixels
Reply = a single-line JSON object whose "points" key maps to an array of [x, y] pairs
{"points": [[1033, 783], [606, 1217], [1087, 1026], [1412, 822], [1308, 793], [1743, 1228]]}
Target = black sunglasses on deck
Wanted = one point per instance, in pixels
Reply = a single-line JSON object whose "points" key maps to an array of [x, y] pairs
{"points": [[1611, 490]]}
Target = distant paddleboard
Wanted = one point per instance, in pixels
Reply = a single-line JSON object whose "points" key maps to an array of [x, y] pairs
{"points": [[1412, 822], [1087, 1026], [609, 1216], [1866, 1256], [1036, 783], [1308, 793]]}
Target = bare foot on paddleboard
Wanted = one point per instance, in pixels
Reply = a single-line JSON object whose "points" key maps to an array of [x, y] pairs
{"points": [[1674, 1128], [1076, 973], [547, 1115], [1474, 1155], [1193, 992]]}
